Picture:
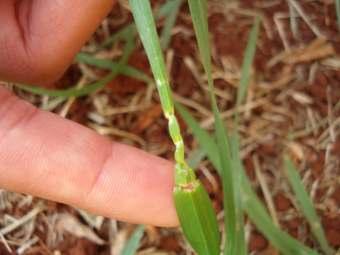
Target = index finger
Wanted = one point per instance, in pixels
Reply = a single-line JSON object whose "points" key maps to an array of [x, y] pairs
{"points": [[46, 156]]}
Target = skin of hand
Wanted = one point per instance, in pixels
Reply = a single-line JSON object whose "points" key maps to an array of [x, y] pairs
{"points": [[46, 156]]}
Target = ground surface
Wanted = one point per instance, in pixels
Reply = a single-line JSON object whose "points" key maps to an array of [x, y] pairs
{"points": [[293, 106]]}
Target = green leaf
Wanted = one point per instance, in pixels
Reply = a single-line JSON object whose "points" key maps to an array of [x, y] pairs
{"points": [[111, 65], [89, 59], [76, 92], [236, 161], [147, 30], [129, 30], [125, 33], [166, 9], [337, 9], [306, 205], [169, 22], [133, 243], [237, 167], [228, 181], [252, 204], [203, 137], [247, 62], [198, 10], [198, 219], [195, 157], [71, 92], [260, 217], [258, 213]]}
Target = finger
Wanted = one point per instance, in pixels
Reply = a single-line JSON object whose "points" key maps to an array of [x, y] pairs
{"points": [[46, 156], [39, 38]]}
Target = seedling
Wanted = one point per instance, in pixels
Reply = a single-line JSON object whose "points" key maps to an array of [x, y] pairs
{"points": [[194, 208]]}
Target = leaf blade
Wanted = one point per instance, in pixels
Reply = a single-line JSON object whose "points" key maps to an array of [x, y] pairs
{"points": [[306, 205], [198, 220], [133, 243], [169, 22], [198, 10], [247, 62], [253, 206], [202, 136], [79, 92]]}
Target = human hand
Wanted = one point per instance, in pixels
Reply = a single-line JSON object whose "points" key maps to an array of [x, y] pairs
{"points": [[46, 156]]}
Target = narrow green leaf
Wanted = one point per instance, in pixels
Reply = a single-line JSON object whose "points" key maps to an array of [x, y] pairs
{"points": [[241, 246], [252, 204], [306, 205], [230, 211], [135, 73], [147, 30], [258, 213], [198, 10], [76, 92], [247, 62], [133, 243], [111, 65], [197, 218], [169, 22], [89, 59], [234, 139], [71, 92], [129, 30], [337, 9], [165, 10], [195, 157], [260, 217], [202, 136], [124, 33]]}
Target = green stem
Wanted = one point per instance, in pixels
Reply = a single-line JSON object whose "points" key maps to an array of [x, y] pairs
{"points": [[184, 174]]}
